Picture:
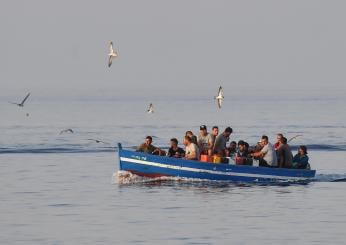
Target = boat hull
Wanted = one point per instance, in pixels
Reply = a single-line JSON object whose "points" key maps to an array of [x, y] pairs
{"points": [[157, 166]]}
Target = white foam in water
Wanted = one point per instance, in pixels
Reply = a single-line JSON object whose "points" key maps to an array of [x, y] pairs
{"points": [[126, 177]]}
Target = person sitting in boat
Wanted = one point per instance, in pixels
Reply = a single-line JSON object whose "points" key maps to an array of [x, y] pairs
{"points": [[284, 154], [147, 147], [192, 136], [175, 150], [279, 136], [267, 155], [243, 157], [301, 159], [232, 149], [221, 141], [204, 141], [191, 150]]}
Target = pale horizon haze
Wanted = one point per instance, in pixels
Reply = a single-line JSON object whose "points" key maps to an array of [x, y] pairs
{"points": [[172, 47]]}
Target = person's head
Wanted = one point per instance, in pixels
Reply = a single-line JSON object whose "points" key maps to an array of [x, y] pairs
{"points": [[228, 131], [246, 146], [188, 133], [174, 142], [148, 140], [302, 150], [187, 140], [203, 130], [264, 140], [241, 145], [233, 145], [283, 140], [215, 130], [279, 136]]}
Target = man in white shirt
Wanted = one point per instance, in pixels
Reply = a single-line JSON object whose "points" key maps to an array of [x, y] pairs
{"points": [[204, 141], [267, 156]]}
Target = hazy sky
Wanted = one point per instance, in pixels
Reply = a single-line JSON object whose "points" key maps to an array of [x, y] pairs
{"points": [[172, 45]]}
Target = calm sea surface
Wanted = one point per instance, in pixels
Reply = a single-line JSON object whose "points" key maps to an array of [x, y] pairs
{"points": [[62, 189]]}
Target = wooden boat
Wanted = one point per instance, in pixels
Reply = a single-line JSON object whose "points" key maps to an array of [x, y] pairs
{"points": [[153, 166]]}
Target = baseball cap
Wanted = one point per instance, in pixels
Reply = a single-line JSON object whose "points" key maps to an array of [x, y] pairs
{"points": [[203, 127]]}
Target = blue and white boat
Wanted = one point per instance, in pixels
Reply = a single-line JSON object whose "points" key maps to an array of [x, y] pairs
{"points": [[153, 166]]}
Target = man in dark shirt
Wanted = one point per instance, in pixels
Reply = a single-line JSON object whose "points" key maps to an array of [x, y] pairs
{"points": [[220, 142], [175, 150], [285, 157]]}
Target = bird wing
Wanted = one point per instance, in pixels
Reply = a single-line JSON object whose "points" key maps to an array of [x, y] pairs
{"points": [[13, 103], [151, 107], [220, 92], [111, 48], [219, 103], [26, 97], [110, 61]]}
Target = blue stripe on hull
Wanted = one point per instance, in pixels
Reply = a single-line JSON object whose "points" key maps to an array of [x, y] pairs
{"points": [[154, 165]]}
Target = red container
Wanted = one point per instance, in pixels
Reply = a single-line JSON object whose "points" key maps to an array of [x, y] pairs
{"points": [[205, 158]]}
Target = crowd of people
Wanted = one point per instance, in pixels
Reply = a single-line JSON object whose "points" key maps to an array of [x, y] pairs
{"points": [[212, 147]]}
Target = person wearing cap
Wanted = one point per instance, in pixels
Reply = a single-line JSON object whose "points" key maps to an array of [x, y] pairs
{"points": [[301, 159], [204, 141], [191, 149], [267, 155], [220, 147]]}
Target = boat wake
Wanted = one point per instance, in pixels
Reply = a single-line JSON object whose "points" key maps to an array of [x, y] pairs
{"points": [[125, 177], [330, 178]]}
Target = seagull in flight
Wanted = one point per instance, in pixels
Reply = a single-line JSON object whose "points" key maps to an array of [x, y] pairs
{"points": [[220, 97], [112, 54], [151, 108], [98, 141], [21, 104], [68, 130]]}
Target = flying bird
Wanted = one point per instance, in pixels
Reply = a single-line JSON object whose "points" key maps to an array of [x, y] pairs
{"points": [[219, 98], [21, 104], [68, 130], [112, 54], [151, 108], [98, 141]]}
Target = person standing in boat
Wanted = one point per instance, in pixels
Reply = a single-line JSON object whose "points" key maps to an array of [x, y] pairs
{"points": [[284, 154], [279, 136], [204, 141], [220, 147], [191, 150], [175, 150], [213, 134], [147, 147], [267, 155], [192, 136]]}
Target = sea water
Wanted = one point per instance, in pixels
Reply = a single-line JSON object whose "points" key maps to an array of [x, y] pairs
{"points": [[60, 188]]}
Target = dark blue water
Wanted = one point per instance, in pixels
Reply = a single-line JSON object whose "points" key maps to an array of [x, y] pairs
{"points": [[60, 188]]}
